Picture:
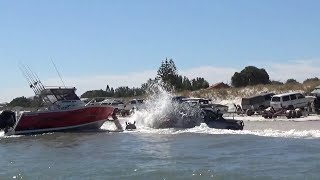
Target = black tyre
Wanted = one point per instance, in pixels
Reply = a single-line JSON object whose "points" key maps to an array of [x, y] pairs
{"points": [[291, 107], [294, 114], [261, 108], [289, 114], [249, 112]]}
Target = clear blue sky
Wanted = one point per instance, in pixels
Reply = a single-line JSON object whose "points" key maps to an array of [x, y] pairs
{"points": [[101, 36]]}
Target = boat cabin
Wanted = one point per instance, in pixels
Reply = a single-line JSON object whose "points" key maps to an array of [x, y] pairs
{"points": [[61, 97]]}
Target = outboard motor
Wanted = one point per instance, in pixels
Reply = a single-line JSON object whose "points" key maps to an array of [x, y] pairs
{"points": [[130, 126], [7, 120]]}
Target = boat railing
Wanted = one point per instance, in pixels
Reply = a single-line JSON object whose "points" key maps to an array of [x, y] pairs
{"points": [[59, 87]]}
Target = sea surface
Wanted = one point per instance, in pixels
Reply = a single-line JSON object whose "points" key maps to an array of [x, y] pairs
{"points": [[264, 150]]}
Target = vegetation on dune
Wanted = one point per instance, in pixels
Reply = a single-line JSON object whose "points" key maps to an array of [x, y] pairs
{"points": [[233, 93], [26, 102]]}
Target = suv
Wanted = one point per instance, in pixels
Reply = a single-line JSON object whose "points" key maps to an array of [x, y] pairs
{"points": [[290, 101], [257, 102]]}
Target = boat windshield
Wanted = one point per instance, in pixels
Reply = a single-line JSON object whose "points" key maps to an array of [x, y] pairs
{"points": [[59, 94]]}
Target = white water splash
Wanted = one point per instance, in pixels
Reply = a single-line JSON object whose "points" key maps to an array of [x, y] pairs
{"points": [[158, 105], [161, 111]]}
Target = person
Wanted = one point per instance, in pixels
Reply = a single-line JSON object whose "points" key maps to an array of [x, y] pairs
{"points": [[131, 126]]}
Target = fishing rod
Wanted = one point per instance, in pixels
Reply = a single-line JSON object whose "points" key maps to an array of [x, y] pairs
{"points": [[57, 72]]}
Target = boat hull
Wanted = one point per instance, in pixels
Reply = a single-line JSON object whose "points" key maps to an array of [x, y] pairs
{"points": [[87, 118]]}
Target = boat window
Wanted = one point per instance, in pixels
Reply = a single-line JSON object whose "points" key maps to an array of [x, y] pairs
{"points": [[285, 98], [275, 99], [52, 98], [140, 101], [133, 102]]}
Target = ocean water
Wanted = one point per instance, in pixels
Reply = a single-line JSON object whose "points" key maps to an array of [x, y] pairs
{"points": [[265, 149], [258, 152]]}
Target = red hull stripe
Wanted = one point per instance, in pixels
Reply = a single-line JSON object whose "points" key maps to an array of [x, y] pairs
{"points": [[62, 119], [96, 125]]}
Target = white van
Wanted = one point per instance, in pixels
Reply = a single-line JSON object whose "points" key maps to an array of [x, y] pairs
{"points": [[289, 101]]}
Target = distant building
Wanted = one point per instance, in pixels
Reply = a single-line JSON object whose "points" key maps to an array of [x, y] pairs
{"points": [[219, 85]]}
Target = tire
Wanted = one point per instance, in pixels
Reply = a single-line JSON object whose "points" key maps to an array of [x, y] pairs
{"points": [[289, 114], [291, 107], [294, 113], [249, 112], [299, 113], [261, 108]]}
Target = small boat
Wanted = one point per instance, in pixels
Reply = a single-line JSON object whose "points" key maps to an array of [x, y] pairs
{"points": [[64, 111]]}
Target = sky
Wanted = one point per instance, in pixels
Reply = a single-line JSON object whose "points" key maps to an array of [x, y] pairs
{"points": [[122, 43]]}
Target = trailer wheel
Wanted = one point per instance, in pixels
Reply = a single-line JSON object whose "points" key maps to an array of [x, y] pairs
{"points": [[265, 116], [294, 114], [249, 112], [261, 108], [289, 114], [299, 113]]}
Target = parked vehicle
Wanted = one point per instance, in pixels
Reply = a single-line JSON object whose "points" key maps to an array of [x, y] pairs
{"points": [[205, 103], [135, 104], [117, 104], [257, 102], [290, 101], [316, 94]]}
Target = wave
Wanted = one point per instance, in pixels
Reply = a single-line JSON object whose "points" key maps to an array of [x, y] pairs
{"points": [[203, 129]]}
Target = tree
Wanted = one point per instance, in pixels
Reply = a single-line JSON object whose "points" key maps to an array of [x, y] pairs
{"points": [[94, 93], [20, 101], [292, 81], [237, 80], [250, 75], [146, 86], [199, 83], [315, 79], [186, 83], [167, 72], [276, 82]]}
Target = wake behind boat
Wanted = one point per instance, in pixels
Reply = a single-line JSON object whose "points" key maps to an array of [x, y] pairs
{"points": [[64, 111]]}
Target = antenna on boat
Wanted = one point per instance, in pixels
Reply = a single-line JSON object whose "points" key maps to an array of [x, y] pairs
{"points": [[57, 71]]}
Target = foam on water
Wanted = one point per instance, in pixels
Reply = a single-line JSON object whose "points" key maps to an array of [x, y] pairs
{"points": [[204, 129]]}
